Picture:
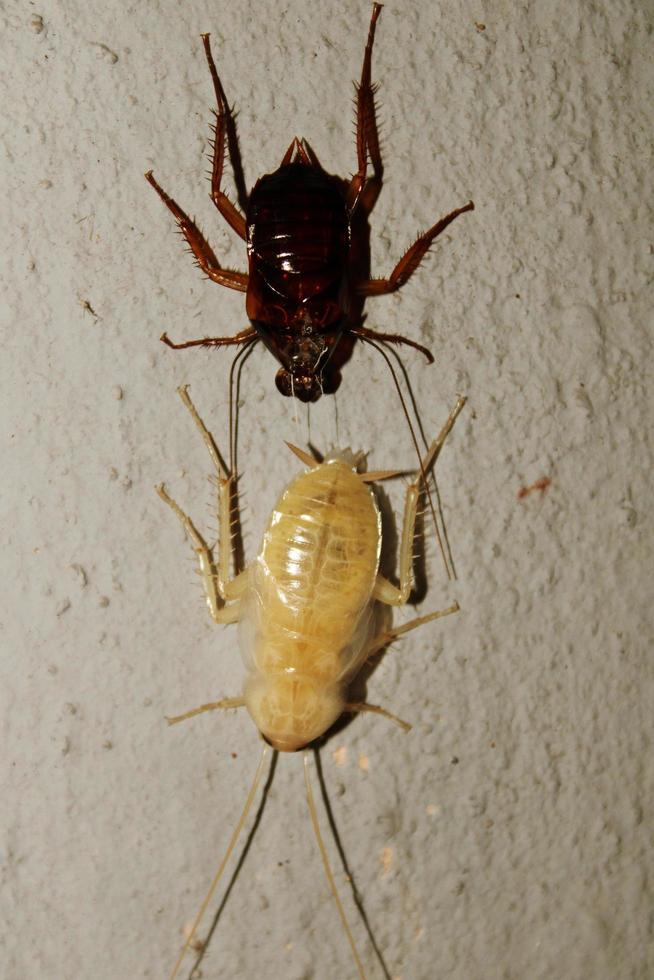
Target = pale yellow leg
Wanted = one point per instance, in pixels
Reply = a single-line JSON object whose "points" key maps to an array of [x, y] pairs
{"points": [[383, 639], [361, 706], [226, 589], [212, 706], [220, 613], [384, 591]]}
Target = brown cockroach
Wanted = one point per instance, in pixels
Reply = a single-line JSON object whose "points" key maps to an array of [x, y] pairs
{"points": [[306, 607], [307, 242]]}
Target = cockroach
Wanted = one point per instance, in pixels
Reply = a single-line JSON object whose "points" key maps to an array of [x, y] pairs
{"points": [[306, 607], [307, 242]]}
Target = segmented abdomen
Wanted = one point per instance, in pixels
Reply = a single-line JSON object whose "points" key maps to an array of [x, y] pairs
{"points": [[298, 230], [314, 576]]}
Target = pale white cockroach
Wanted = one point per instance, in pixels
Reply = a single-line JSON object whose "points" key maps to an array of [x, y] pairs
{"points": [[305, 608]]}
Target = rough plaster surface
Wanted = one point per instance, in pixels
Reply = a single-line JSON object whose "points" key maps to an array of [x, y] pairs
{"points": [[509, 835]]}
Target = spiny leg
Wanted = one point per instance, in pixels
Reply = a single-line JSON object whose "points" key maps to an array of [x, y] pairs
{"points": [[246, 336], [411, 258], [387, 636], [363, 191], [228, 589], [213, 583], [198, 244], [384, 590], [391, 338], [360, 707], [382, 640], [224, 128], [223, 704]]}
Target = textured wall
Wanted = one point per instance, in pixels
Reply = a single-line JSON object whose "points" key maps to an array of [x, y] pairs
{"points": [[507, 836]]}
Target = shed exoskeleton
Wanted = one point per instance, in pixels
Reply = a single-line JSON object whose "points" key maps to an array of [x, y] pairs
{"points": [[305, 603]]}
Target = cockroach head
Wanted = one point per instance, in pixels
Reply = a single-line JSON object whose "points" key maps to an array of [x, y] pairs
{"points": [[290, 709], [300, 384]]}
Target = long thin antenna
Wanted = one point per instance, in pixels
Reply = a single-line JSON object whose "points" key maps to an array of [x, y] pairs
{"points": [[423, 474], [328, 871], [416, 414], [233, 409], [217, 876]]}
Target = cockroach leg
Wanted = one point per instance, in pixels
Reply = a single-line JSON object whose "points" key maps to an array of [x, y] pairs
{"points": [[198, 244], [385, 591], [391, 338], [219, 588], [244, 337], [224, 128], [362, 706], [411, 258], [221, 705], [214, 580], [383, 639], [362, 190]]}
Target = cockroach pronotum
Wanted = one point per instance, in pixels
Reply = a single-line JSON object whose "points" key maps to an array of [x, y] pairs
{"points": [[308, 251], [306, 606]]}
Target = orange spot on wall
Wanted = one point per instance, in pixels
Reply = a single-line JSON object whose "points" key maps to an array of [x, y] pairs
{"points": [[541, 485]]}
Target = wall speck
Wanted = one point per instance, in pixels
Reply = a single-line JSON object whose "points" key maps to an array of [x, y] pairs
{"points": [[583, 401], [629, 516], [364, 763], [36, 24], [339, 755], [103, 601], [117, 392], [104, 52], [63, 607], [81, 575], [386, 859], [541, 485]]}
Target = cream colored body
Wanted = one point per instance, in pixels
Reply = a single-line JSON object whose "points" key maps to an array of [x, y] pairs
{"points": [[305, 607], [305, 603], [305, 612]]}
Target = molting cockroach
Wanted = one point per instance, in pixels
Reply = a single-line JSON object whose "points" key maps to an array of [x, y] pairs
{"points": [[306, 605], [308, 250]]}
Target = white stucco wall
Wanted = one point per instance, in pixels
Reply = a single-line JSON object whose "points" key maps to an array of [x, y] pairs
{"points": [[509, 835]]}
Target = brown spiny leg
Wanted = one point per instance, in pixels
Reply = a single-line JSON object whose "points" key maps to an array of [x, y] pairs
{"points": [[224, 129], [363, 191], [411, 258], [246, 336], [199, 245], [391, 338]]}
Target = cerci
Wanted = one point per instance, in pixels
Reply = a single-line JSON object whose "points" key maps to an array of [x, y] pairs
{"points": [[308, 251]]}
